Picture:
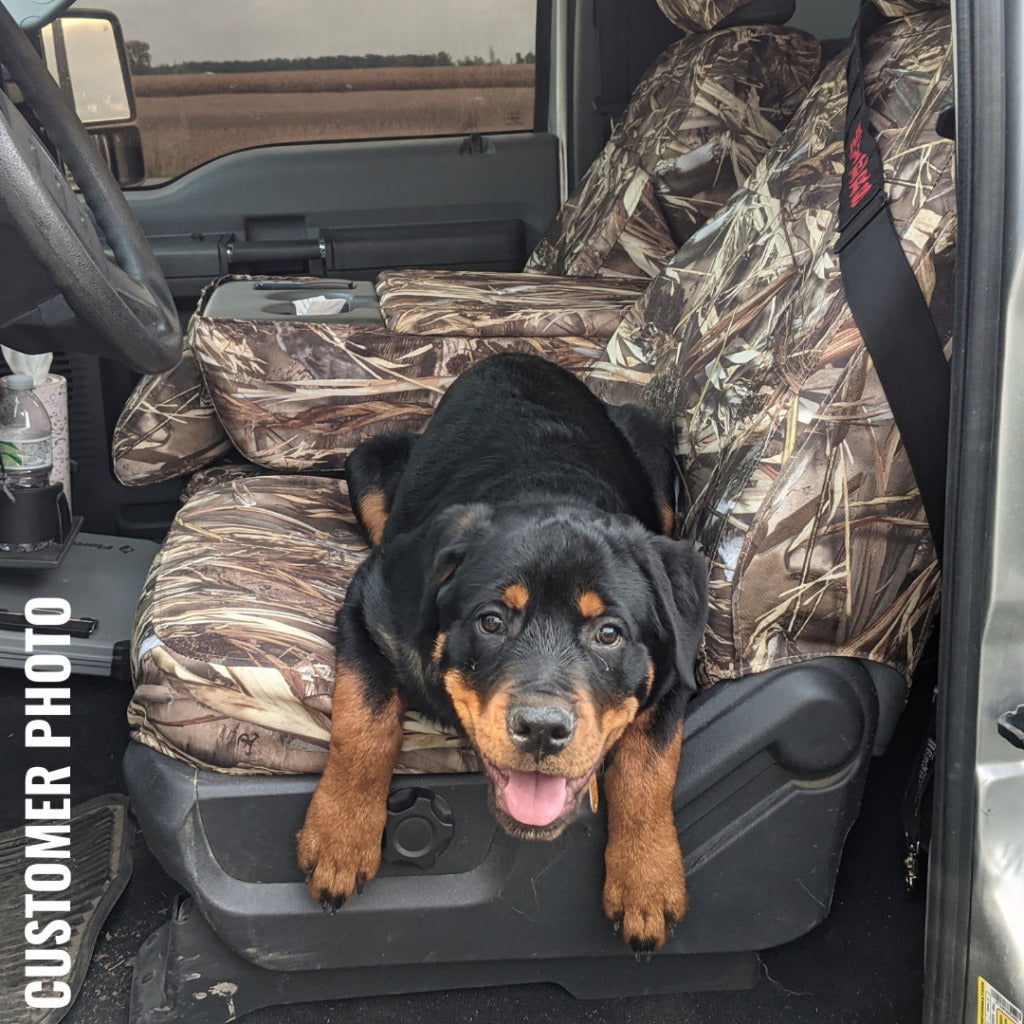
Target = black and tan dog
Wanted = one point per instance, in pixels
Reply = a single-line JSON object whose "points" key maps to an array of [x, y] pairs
{"points": [[520, 588]]}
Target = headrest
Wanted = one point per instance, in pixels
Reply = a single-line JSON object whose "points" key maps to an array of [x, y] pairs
{"points": [[901, 8], [704, 15]]}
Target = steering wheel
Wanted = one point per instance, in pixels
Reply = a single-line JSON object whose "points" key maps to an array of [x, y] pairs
{"points": [[125, 303]]}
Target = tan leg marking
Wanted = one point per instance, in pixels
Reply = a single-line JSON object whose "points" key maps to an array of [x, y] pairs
{"points": [[645, 884], [339, 845], [373, 511]]}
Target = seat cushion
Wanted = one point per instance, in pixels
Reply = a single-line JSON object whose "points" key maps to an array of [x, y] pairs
{"points": [[233, 646]]}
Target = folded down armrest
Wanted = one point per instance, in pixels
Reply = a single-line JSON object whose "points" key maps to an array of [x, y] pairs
{"points": [[504, 305]]}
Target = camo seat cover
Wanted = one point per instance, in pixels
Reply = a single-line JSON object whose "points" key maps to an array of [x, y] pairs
{"points": [[797, 485], [799, 489], [698, 123], [233, 647]]}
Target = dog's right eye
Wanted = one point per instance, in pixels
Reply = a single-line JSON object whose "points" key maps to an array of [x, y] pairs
{"points": [[491, 623]]}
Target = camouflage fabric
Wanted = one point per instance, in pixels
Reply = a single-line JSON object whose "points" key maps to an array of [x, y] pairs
{"points": [[798, 487], [298, 396], [233, 645], [504, 305], [901, 8], [231, 467], [699, 15], [697, 124], [168, 427]]}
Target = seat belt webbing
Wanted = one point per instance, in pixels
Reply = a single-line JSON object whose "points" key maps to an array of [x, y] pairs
{"points": [[886, 300]]}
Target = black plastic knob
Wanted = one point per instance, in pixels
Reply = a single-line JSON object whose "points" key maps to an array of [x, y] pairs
{"points": [[419, 828]]}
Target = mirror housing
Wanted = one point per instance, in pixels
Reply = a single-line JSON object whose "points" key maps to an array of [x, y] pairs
{"points": [[85, 53]]}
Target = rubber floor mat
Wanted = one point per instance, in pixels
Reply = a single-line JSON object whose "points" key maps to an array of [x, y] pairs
{"points": [[100, 864]]}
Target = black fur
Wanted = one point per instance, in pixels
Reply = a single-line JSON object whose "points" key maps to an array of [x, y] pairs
{"points": [[523, 475]]}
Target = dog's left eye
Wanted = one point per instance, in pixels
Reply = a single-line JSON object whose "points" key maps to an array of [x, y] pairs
{"points": [[491, 622], [608, 635]]}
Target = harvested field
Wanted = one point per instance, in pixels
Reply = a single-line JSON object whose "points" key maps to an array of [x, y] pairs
{"points": [[358, 79], [186, 120]]}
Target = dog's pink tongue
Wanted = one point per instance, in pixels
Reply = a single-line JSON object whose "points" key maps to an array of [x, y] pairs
{"points": [[533, 798]]}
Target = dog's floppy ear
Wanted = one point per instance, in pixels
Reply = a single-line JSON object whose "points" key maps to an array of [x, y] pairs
{"points": [[679, 581], [450, 537]]}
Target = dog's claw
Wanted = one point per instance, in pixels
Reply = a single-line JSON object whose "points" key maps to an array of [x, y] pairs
{"points": [[309, 875], [360, 884], [331, 904], [617, 926], [642, 946]]}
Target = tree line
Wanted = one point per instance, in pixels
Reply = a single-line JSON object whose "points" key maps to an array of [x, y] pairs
{"points": [[140, 62]]}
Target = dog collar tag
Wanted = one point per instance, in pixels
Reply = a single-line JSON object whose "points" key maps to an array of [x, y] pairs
{"points": [[593, 794]]}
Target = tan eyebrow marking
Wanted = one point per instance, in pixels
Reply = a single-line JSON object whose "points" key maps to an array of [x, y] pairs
{"points": [[590, 604], [516, 596]]}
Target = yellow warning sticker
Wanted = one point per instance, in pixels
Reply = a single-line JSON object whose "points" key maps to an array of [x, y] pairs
{"points": [[994, 1007]]}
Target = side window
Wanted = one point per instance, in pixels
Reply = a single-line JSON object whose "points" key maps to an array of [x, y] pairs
{"points": [[210, 79]]}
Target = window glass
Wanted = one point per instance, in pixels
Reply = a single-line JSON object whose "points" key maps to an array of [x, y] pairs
{"points": [[211, 78]]}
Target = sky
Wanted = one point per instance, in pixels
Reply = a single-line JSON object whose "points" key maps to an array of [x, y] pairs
{"points": [[178, 30]]}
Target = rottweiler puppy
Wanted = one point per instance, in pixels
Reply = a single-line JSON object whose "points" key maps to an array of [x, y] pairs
{"points": [[522, 587]]}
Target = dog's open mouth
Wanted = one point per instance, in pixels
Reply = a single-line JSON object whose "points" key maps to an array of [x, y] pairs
{"points": [[534, 805]]}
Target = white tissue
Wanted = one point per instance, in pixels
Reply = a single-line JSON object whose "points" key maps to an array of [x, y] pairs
{"points": [[37, 367], [319, 305]]}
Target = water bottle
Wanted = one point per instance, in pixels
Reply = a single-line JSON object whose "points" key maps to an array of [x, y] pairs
{"points": [[26, 449]]}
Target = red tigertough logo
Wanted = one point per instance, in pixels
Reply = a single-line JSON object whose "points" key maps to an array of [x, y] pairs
{"points": [[860, 177]]}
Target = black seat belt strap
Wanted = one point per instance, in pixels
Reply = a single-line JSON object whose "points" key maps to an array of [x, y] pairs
{"points": [[886, 300]]}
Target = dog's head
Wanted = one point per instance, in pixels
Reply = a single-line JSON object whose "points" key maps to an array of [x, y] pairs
{"points": [[552, 626]]}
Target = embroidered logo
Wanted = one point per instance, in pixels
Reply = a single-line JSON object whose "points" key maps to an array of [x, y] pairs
{"points": [[860, 176]]}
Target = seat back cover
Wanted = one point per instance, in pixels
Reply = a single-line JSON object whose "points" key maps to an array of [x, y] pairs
{"points": [[796, 481], [699, 121]]}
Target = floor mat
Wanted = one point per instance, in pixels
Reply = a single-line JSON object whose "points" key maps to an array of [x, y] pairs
{"points": [[100, 863]]}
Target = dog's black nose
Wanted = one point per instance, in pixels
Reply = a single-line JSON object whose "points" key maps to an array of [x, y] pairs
{"points": [[540, 728]]}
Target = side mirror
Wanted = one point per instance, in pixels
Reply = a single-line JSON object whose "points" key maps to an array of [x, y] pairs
{"points": [[85, 53]]}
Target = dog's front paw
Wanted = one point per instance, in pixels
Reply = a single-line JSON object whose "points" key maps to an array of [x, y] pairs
{"points": [[339, 852], [645, 891]]}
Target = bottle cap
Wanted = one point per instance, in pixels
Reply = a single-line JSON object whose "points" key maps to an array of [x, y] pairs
{"points": [[19, 381]]}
